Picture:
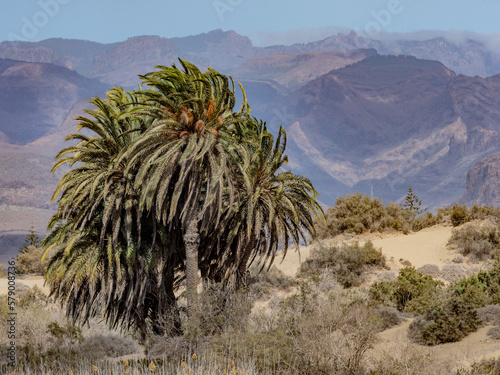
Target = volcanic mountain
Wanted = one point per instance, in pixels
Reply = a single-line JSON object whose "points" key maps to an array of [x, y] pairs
{"points": [[390, 122]]}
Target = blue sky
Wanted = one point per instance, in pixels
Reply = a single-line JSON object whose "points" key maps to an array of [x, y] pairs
{"points": [[264, 21]]}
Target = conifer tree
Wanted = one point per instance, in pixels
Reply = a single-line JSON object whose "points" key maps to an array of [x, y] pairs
{"points": [[32, 239], [412, 206]]}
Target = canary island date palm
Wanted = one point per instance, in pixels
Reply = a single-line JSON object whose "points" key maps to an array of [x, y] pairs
{"points": [[188, 159], [109, 257], [278, 209]]}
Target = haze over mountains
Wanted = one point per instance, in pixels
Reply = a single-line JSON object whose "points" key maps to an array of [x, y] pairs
{"points": [[357, 120]]}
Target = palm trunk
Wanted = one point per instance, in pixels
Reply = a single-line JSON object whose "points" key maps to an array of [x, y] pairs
{"points": [[242, 268], [191, 243]]}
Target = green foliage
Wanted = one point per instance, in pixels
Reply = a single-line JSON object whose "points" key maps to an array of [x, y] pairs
{"points": [[446, 322], [347, 262], [412, 207], [411, 292], [459, 215], [32, 240], [480, 289], [477, 240], [359, 213]]}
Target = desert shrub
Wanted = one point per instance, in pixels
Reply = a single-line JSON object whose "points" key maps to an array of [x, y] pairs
{"points": [[359, 213], [477, 240], [425, 221], [346, 261], [453, 272], [459, 214], [403, 357], [261, 284], [494, 333], [489, 314], [2, 270], [388, 317], [484, 367], [432, 270], [411, 292], [480, 289], [111, 345], [30, 261], [449, 321], [217, 310], [32, 297]]}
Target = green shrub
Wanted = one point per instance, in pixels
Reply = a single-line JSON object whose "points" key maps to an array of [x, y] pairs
{"points": [[459, 215], [411, 292], [480, 289], [450, 321], [358, 213], [347, 262]]}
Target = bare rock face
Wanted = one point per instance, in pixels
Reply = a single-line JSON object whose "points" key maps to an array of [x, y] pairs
{"points": [[483, 182]]}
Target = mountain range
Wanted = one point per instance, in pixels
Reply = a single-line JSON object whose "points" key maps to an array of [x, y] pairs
{"points": [[361, 115]]}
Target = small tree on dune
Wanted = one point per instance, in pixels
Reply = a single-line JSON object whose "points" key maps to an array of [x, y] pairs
{"points": [[412, 206]]}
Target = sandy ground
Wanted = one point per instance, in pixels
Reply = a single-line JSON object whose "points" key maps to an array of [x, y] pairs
{"points": [[23, 282], [427, 246]]}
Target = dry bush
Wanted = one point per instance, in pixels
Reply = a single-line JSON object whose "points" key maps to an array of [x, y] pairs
{"points": [[430, 269], [262, 283], [347, 262], [477, 240], [489, 315], [453, 272], [110, 345], [218, 310], [389, 316], [30, 261], [387, 276], [406, 358], [494, 333], [485, 367]]}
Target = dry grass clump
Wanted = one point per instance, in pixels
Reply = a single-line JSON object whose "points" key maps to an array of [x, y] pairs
{"points": [[478, 240], [347, 262]]}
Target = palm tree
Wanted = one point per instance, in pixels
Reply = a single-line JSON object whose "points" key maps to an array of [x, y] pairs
{"points": [[187, 160], [107, 254], [278, 208]]}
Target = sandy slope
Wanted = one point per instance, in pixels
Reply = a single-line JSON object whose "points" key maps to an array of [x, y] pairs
{"points": [[427, 246]]}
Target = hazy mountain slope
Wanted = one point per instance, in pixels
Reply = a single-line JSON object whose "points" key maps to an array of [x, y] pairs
{"points": [[35, 98], [393, 122], [483, 182], [290, 70]]}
